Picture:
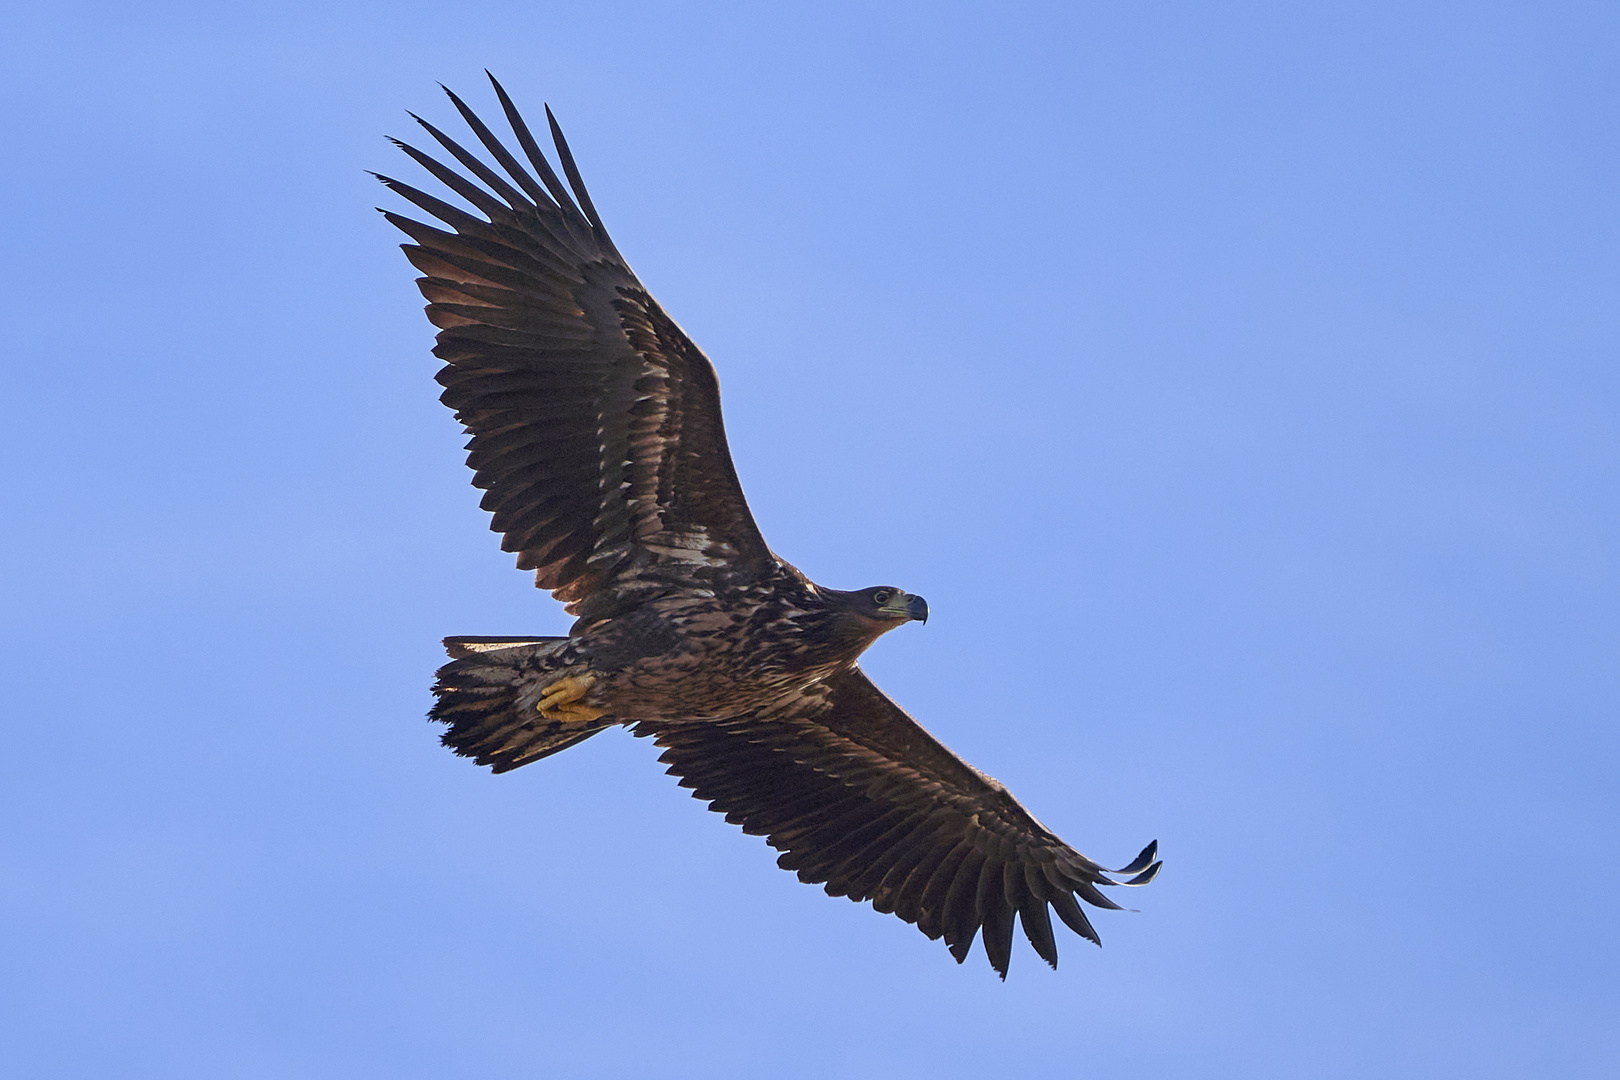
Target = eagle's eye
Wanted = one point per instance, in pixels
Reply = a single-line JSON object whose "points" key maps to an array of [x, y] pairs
{"points": [[880, 598]]}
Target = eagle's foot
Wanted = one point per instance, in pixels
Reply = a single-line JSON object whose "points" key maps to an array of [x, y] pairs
{"points": [[560, 700]]}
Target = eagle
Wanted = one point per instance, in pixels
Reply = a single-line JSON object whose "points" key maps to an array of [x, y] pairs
{"points": [[596, 436]]}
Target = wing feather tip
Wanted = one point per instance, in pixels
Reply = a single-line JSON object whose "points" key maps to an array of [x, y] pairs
{"points": [[1143, 859], [1145, 876]]}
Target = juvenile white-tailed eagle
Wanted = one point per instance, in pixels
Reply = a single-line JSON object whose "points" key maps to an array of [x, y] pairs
{"points": [[596, 434]]}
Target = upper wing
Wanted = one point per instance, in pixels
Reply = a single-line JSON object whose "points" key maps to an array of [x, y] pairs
{"points": [[857, 795], [595, 421]]}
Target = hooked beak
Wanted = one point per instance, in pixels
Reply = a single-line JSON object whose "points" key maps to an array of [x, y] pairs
{"points": [[905, 606]]}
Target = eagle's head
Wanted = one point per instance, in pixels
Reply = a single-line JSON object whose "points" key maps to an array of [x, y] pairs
{"points": [[888, 605], [854, 620]]}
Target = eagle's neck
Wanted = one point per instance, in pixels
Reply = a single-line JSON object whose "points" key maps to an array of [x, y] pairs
{"points": [[833, 630]]}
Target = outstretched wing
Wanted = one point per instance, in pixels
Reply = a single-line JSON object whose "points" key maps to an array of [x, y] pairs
{"points": [[595, 421], [856, 795]]}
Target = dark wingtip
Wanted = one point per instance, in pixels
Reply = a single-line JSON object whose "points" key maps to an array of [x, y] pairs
{"points": [[500, 91], [461, 106], [388, 181], [999, 964], [1069, 911], [1142, 860], [1145, 876], [571, 170]]}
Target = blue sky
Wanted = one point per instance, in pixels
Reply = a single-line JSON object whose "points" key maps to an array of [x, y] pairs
{"points": [[1238, 383]]}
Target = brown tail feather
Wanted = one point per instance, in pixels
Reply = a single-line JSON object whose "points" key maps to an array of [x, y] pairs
{"points": [[478, 701]]}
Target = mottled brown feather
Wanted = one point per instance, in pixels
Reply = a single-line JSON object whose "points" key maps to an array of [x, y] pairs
{"points": [[596, 434], [850, 789]]}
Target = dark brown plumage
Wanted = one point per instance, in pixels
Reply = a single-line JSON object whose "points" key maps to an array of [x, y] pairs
{"points": [[597, 437]]}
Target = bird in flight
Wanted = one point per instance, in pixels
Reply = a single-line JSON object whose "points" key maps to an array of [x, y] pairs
{"points": [[597, 438]]}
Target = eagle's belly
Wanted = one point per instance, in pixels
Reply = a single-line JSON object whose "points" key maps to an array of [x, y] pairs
{"points": [[703, 664], [700, 687]]}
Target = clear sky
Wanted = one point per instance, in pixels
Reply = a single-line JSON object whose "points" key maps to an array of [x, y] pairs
{"points": [[1238, 382]]}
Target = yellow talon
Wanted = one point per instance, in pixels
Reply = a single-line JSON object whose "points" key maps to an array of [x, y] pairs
{"points": [[560, 700]]}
